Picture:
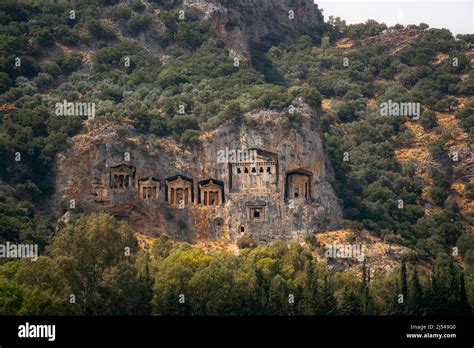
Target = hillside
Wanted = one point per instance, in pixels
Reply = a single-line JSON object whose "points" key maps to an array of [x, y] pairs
{"points": [[122, 108]]}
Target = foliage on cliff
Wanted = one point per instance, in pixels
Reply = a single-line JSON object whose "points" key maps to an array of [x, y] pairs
{"points": [[87, 270], [176, 63]]}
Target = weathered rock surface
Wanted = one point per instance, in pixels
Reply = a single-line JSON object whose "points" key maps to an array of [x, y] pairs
{"points": [[259, 21], [272, 203]]}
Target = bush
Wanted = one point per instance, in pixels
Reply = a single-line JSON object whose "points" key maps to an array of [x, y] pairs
{"points": [[311, 239], [43, 81], [311, 96], [438, 195], [428, 120], [138, 6], [245, 242], [51, 68], [192, 34], [139, 23], [436, 149], [29, 66], [181, 123], [170, 77], [469, 190], [441, 105], [65, 35], [190, 137], [29, 190], [350, 110], [72, 63], [122, 131], [100, 31], [120, 13], [169, 214], [43, 38], [158, 125], [233, 111]]}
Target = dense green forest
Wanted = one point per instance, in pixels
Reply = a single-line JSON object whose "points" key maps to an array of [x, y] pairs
{"points": [[93, 266], [86, 258]]}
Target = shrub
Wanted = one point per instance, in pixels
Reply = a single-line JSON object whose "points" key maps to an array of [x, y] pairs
{"points": [[181, 123], [190, 137], [72, 62], [469, 190], [100, 31], [311, 239], [311, 96], [138, 6], [158, 125], [120, 13], [192, 34], [436, 149], [245, 242], [43, 81], [66, 35], [170, 77], [43, 38], [428, 120], [51, 68], [438, 195], [139, 23], [441, 105]]}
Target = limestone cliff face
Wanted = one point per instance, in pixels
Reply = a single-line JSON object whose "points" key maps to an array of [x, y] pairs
{"points": [[159, 187], [259, 21]]}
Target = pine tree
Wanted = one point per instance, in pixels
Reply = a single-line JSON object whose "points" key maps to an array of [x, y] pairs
{"points": [[350, 303], [310, 289], [329, 303], [434, 301], [416, 294], [147, 282], [464, 307], [366, 300], [261, 292], [428, 298], [278, 296], [145, 276], [454, 287], [403, 287]]}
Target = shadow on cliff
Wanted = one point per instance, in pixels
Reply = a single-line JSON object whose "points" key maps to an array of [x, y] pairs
{"points": [[262, 64]]}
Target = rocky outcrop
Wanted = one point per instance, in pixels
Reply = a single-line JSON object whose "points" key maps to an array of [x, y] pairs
{"points": [[243, 23], [192, 194]]}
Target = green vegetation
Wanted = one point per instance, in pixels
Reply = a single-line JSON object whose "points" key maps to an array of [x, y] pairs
{"points": [[192, 86], [88, 259]]}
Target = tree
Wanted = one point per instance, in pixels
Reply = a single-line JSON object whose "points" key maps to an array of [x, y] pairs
{"points": [[436, 149], [438, 195], [139, 23], [278, 296], [310, 290], [181, 123], [190, 137], [100, 31], [95, 254], [329, 303], [416, 294], [428, 120], [367, 305], [147, 282], [233, 111], [464, 307], [45, 289], [403, 286], [10, 297], [350, 303]]}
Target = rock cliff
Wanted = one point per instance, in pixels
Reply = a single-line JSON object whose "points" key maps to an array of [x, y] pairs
{"points": [[191, 194], [243, 23]]}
